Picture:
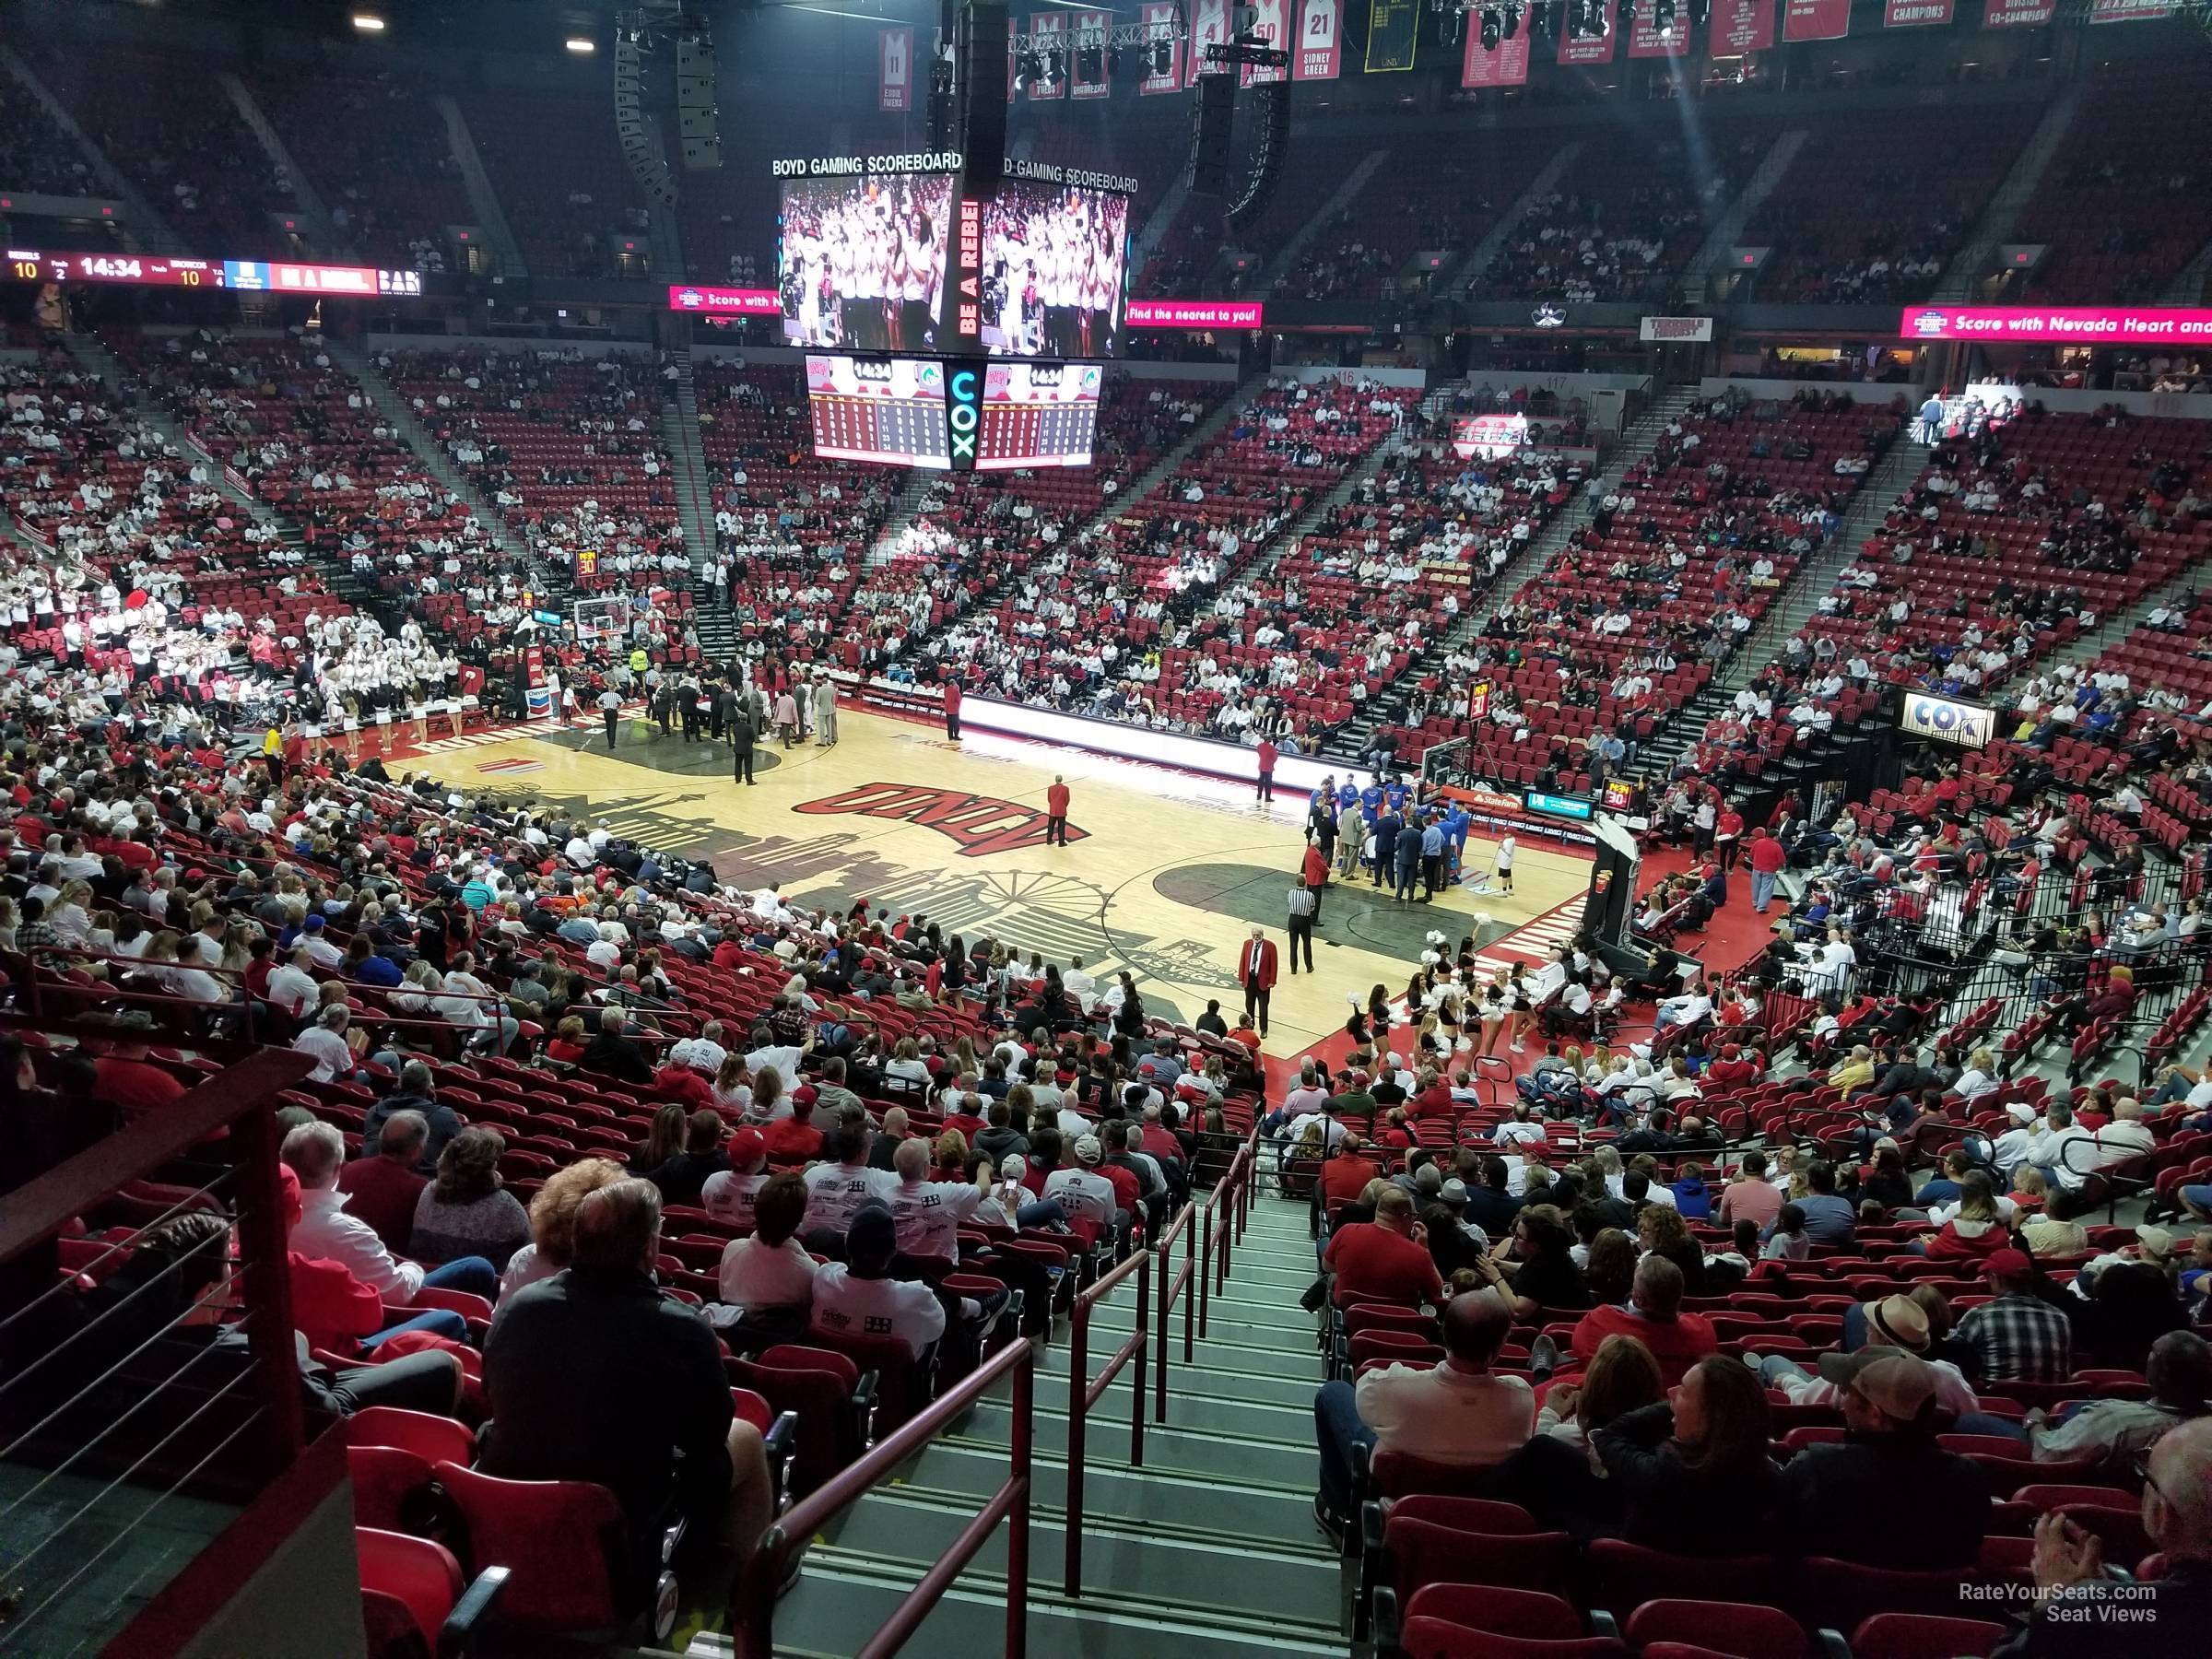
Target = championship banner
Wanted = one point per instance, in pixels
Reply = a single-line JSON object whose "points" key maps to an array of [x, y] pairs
{"points": [[1209, 27], [1320, 29], [1741, 26], [1914, 14], [1393, 31], [1591, 49], [1505, 66], [1159, 19], [1646, 41], [1815, 19], [1090, 32], [1267, 18], [895, 68], [2018, 13], [1048, 32], [2129, 11]]}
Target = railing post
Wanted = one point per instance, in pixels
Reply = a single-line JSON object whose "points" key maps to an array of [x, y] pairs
{"points": [[1143, 1342], [1205, 1276], [1164, 1261], [1018, 1519], [268, 1296], [1078, 1385], [1190, 1292]]}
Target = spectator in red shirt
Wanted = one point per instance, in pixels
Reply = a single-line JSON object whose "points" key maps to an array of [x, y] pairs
{"points": [[1385, 1260], [383, 1190], [1055, 812], [1654, 1316], [1768, 858], [1733, 1070], [794, 1136], [123, 1078], [1728, 836], [952, 710], [1267, 753], [1345, 1176]]}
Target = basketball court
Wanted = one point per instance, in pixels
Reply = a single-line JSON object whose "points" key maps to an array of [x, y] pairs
{"points": [[1164, 872]]}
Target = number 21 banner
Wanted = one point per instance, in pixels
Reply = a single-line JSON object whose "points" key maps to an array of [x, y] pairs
{"points": [[1320, 32]]}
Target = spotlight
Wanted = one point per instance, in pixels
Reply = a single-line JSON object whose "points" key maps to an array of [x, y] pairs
{"points": [[368, 23], [1626, 11], [581, 46], [1513, 20], [1662, 16], [1163, 56], [1492, 26], [1700, 12]]}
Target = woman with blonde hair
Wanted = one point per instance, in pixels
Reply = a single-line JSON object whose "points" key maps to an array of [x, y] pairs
{"points": [[768, 1097], [949, 1155]]}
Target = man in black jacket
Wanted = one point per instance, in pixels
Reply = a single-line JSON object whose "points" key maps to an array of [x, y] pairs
{"points": [[613, 1054], [593, 1375], [1887, 1495], [416, 1093], [743, 734]]}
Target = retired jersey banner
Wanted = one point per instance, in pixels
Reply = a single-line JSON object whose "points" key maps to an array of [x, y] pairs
{"points": [[1914, 14], [1159, 19], [1090, 32], [2018, 13], [1393, 32], [2129, 11], [1591, 49], [1320, 28], [1507, 65], [1267, 23], [1048, 32], [1815, 19], [1646, 41], [1209, 27], [895, 69], [1740, 26]]}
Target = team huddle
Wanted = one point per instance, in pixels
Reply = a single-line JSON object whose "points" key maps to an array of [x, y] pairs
{"points": [[864, 261], [1053, 260]]}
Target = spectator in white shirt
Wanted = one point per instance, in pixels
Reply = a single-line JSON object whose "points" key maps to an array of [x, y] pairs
{"points": [[325, 1043], [928, 1213], [291, 986], [1079, 1189], [857, 1297], [315, 1153], [770, 1273], [730, 1195]]}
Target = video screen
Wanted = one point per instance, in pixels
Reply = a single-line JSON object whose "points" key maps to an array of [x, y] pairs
{"points": [[885, 409], [1055, 271], [1038, 414], [1492, 437], [863, 261]]}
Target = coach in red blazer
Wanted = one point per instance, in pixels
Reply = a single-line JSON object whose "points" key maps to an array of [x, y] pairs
{"points": [[1255, 972]]}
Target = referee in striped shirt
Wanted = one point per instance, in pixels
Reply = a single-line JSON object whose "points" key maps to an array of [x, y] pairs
{"points": [[1301, 924]]}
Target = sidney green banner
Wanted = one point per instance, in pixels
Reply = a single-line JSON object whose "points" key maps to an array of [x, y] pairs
{"points": [[1392, 30]]}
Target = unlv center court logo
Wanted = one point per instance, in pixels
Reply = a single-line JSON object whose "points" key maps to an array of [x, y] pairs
{"points": [[980, 824]]}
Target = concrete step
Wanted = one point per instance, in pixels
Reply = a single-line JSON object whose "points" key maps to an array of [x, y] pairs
{"points": [[1279, 1312], [1174, 1449], [1191, 1413], [1174, 1571], [841, 1602], [1216, 1503]]}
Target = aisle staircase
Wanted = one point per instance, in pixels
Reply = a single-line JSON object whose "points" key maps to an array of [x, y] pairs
{"points": [[694, 480], [1209, 1551], [1792, 606], [1350, 741]]}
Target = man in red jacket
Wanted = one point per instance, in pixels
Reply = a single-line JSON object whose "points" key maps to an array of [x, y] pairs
{"points": [[1255, 972], [1056, 810], [952, 710], [1267, 754], [1654, 1316]]}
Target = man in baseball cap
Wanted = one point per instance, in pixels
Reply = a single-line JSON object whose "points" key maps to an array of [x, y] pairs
{"points": [[857, 1297], [1887, 1495], [2017, 1336]]}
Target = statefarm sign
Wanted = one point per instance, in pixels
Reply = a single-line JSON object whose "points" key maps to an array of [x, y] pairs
{"points": [[1196, 313], [2070, 324]]}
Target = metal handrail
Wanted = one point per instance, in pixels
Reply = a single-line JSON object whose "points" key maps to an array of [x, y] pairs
{"points": [[753, 1606], [1170, 1287], [1085, 1391], [1233, 1193]]}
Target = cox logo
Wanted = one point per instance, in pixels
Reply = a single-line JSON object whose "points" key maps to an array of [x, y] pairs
{"points": [[965, 395]]}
